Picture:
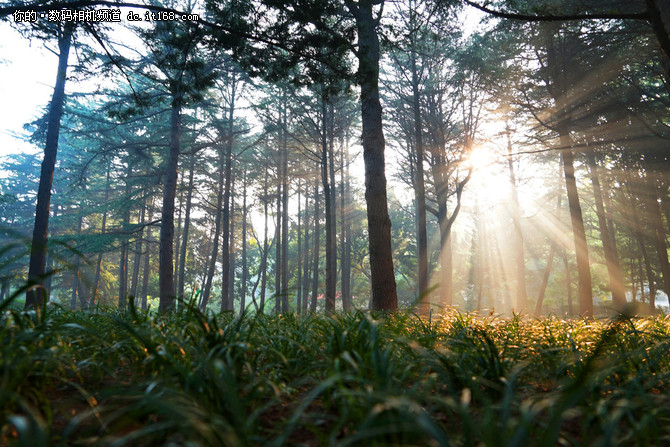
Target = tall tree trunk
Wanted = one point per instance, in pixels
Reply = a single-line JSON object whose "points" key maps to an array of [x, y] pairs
{"points": [[419, 186], [345, 227], [298, 304], [177, 245], [229, 302], [146, 268], [328, 202], [611, 259], [211, 269], [225, 250], [37, 296], [76, 283], [166, 245], [98, 264], [316, 245], [187, 227], [521, 297], [658, 233], [243, 288], [578, 232], [383, 284], [264, 259], [123, 259], [284, 221], [138, 253], [278, 263], [304, 282]]}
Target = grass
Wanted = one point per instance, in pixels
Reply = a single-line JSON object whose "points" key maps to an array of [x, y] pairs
{"points": [[117, 378]]}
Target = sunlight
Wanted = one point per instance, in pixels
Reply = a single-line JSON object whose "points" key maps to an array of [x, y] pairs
{"points": [[489, 182]]}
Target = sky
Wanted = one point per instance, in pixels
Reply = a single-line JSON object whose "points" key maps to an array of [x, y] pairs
{"points": [[27, 76]]}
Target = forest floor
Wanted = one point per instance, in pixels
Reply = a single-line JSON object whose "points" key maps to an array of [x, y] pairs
{"points": [[109, 377]]}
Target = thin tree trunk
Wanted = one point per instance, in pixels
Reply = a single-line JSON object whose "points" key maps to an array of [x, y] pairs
{"points": [[211, 270], [304, 282], [138, 254], [229, 302], [284, 221], [243, 288], [345, 227], [123, 260], [75, 273], [298, 306], [333, 197], [225, 251], [611, 260], [37, 295], [316, 245], [521, 297], [658, 237], [146, 268], [187, 226], [419, 186], [278, 263], [98, 265], [264, 259]]}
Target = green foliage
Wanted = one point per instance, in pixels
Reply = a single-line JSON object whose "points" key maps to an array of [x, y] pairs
{"points": [[129, 377]]}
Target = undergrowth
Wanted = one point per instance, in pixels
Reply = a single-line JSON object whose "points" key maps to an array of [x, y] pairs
{"points": [[117, 378]]}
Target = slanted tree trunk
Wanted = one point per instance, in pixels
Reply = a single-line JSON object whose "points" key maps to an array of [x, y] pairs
{"points": [[37, 295], [383, 284], [578, 232], [611, 259]]}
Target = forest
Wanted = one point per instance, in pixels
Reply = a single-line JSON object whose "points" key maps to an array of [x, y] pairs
{"points": [[338, 222]]}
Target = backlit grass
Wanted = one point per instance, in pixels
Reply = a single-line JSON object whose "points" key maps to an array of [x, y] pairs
{"points": [[107, 377]]}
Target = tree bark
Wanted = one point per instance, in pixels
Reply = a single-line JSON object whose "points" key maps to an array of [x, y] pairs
{"points": [[146, 267], [611, 259], [37, 295], [211, 270], [383, 284], [419, 185], [316, 245], [328, 202], [578, 232], [166, 246], [187, 227], [243, 287]]}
